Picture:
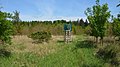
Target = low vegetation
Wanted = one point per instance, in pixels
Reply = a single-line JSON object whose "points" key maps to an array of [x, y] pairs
{"points": [[110, 54], [81, 52], [95, 44], [40, 37], [55, 53]]}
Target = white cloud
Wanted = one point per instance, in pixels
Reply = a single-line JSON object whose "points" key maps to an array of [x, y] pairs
{"points": [[51, 18], [71, 18]]}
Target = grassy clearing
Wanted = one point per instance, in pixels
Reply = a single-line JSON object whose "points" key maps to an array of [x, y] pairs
{"points": [[53, 54]]}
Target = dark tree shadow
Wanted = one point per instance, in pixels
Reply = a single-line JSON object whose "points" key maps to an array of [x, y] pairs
{"points": [[60, 41], [4, 53], [85, 44]]}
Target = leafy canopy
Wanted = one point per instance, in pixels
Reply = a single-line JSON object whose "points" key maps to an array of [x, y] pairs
{"points": [[98, 15], [6, 28]]}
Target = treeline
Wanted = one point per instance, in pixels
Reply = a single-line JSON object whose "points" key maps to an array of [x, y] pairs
{"points": [[54, 27]]}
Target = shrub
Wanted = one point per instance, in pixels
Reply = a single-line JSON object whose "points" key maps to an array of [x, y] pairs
{"points": [[6, 28], [87, 30], [5, 53], [40, 37], [110, 54], [116, 27]]}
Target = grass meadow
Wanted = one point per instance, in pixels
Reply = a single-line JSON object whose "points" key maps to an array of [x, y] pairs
{"points": [[55, 53]]}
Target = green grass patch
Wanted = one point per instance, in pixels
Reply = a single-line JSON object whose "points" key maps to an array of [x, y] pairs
{"points": [[66, 55]]}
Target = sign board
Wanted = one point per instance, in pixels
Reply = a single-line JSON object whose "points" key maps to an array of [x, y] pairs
{"points": [[67, 27]]}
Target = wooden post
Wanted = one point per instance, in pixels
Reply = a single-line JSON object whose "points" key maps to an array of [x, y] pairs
{"points": [[67, 36]]}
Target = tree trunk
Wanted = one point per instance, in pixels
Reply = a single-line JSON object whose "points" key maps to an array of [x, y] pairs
{"points": [[101, 40], [96, 39]]}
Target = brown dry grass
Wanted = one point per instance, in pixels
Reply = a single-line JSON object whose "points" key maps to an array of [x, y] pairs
{"points": [[25, 44]]}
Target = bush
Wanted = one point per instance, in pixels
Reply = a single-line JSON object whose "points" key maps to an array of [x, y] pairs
{"points": [[40, 37], [116, 27], [110, 54], [87, 30], [5, 53], [6, 28]]}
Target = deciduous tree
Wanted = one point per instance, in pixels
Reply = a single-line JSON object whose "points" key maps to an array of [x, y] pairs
{"points": [[98, 15], [6, 28]]}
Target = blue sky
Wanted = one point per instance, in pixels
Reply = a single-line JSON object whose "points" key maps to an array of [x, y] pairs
{"points": [[54, 9]]}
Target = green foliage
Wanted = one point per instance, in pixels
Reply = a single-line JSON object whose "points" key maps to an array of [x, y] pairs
{"points": [[16, 20], [40, 37], [116, 27], [110, 54], [59, 55], [5, 53], [87, 30], [25, 28], [16, 16], [18, 28], [6, 28], [109, 31], [118, 5], [97, 17], [74, 29]]}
